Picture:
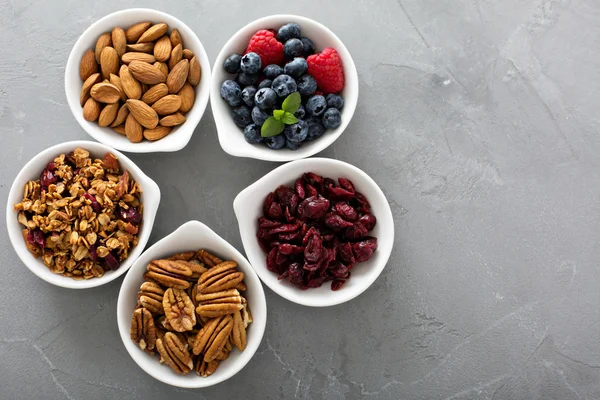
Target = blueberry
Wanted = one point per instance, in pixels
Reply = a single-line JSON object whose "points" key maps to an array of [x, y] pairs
{"points": [[288, 31], [292, 48], [332, 118], [248, 95], [335, 101], [308, 47], [300, 113], [316, 106], [241, 116], [245, 79], [232, 63], [296, 67], [315, 128], [252, 134], [296, 132], [265, 98], [259, 116], [251, 63], [272, 71], [231, 92], [265, 83], [275, 142], [292, 145], [283, 85], [307, 85]]}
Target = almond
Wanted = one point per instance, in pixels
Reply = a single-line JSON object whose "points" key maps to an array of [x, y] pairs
{"points": [[121, 116], [115, 80], [154, 93], [157, 133], [167, 105], [188, 54], [146, 73], [143, 114], [136, 56], [175, 38], [87, 85], [91, 110], [119, 40], [195, 71], [133, 33], [108, 114], [172, 120], [88, 65], [178, 76], [153, 33], [131, 87], [109, 62], [162, 49], [133, 129], [163, 68], [105, 92], [119, 129], [141, 47], [187, 95], [176, 56], [103, 41]]}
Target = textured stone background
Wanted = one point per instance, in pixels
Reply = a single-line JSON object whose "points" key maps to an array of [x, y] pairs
{"points": [[478, 119]]}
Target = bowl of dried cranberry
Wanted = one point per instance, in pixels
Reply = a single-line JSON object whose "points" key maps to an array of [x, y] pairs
{"points": [[318, 231], [284, 87]]}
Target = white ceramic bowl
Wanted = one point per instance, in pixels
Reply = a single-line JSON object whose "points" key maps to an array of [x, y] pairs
{"points": [[248, 208], [231, 136], [191, 236], [181, 135], [32, 171]]}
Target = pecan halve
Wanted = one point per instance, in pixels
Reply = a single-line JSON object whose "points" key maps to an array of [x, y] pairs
{"points": [[169, 273], [187, 256], [197, 269], [151, 297], [218, 303], [143, 331], [238, 334], [179, 310], [204, 368], [220, 277], [207, 258], [219, 339], [175, 353]]}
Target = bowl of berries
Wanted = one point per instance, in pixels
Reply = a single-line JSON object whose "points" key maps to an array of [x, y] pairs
{"points": [[284, 83]]}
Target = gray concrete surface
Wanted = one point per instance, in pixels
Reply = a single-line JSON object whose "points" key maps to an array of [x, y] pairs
{"points": [[478, 118]]}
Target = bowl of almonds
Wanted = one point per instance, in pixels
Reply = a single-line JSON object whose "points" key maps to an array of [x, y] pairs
{"points": [[138, 80], [191, 311]]}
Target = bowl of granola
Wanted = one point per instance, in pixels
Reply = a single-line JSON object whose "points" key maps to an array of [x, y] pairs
{"points": [[80, 213]]}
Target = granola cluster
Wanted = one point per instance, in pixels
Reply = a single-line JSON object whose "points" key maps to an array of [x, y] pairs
{"points": [[82, 216], [191, 311]]}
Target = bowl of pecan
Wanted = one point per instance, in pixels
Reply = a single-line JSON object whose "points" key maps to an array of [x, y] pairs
{"points": [[138, 80], [79, 214], [191, 311], [317, 231]]}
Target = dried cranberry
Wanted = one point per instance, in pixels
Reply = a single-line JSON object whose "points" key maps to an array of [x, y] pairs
{"points": [[311, 191], [316, 282], [47, 178], [313, 179], [290, 249], [266, 223], [263, 233], [337, 284], [285, 196], [268, 201], [355, 232], [30, 239], [265, 245], [271, 264], [130, 215], [346, 211], [36, 237], [364, 250], [295, 274], [290, 236], [285, 228], [341, 271], [328, 182], [368, 220], [280, 258], [299, 186], [362, 201], [111, 262], [345, 252], [337, 193], [336, 222], [275, 211], [93, 252], [51, 166], [313, 207], [288, 216], [346, 184], [313, 251], [95, 205]]}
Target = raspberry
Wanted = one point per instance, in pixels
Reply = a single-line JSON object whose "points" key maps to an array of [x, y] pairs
{"points": [[326, 67], [265, 44]]}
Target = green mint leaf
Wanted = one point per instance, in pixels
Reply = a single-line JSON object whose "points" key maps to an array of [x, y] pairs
{"points": [[292, 103], [289, 118], [278, 114], [271, 127]]}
